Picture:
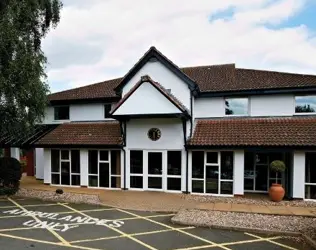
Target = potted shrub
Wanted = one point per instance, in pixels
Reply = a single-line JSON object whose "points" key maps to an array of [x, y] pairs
{"points": [[276, 191]]}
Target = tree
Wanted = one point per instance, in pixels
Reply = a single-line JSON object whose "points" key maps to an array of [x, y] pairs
{"points": [[23, 86]]}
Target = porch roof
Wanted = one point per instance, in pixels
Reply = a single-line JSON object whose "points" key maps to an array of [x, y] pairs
{"points": [[254, 132], [83, 134]]}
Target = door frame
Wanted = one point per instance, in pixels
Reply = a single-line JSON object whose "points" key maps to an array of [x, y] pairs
{"points": [[163, 175]]}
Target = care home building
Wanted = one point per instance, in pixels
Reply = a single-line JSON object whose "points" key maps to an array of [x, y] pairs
{"points": [[209, 130]]}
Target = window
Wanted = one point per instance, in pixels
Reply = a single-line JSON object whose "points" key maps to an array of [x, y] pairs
{"points": [[310, 176], [65, 167], [136, 169], [174, 170], [236, 106], [305, 104], [61, 113], [107, 109]]}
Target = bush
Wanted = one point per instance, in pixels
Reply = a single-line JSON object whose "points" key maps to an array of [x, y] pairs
{"points": [[10, 175], [59, 191], [277, 166]]}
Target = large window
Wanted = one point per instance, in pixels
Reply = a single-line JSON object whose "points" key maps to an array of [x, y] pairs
{"points": [[107, 109], [61, 113], [104, 168], [310, 176], [136, 169], [174, 170], [65, 167], [305, 104], [212, 172], [236, 106]]}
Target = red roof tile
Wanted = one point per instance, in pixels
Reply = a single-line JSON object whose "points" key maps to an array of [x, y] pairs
{"points": [[293, 131], [84, 133]]}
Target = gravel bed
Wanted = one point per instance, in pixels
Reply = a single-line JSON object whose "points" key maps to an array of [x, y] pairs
{"points": [[245, 220], [65, 197], [248, 201]]}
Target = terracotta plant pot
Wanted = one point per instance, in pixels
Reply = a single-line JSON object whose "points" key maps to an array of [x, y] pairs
{"points": [[276, 192]]}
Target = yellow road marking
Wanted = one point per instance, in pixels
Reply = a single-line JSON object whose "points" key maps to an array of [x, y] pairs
{"points": [[175, 229], [38, 220], [16, 229], [271, 241], [122, 236], [47, 242], [114, 229], [34, 205]]}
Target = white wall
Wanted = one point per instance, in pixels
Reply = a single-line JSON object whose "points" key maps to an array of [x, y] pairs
{"points": [[239, 167], [171, 134], [147, 100], [39, 163], [209, 107], [274, 105], [299, 175], [84, 167], [47, 166], [159, 73]]}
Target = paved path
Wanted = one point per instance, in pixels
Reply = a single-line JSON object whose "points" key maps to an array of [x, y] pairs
{"points": [[159, 201], [35, 224]]}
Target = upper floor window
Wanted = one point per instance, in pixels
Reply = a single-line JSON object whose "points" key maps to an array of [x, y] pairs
{"points": [[305, 104], [236, 106], [61, 113], [107, 109]]}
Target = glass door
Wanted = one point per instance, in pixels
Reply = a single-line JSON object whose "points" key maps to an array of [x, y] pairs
{"points": [[155, 170]]}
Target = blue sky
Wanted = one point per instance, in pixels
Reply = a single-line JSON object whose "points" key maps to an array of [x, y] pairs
{"points": [[98, 40]]}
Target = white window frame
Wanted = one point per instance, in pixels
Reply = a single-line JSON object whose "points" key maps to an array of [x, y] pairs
{"points": [[305, 113], [308, 183], [70, 171], [137, 174], [173, 176], [61, 120], [237, 115]]}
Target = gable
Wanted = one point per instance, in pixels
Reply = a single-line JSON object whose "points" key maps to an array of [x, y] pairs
{"points": [[146, 99]]}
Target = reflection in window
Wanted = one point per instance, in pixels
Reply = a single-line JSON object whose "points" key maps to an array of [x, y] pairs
{"points": [[305, 104], [236, 106], [61, 113]]}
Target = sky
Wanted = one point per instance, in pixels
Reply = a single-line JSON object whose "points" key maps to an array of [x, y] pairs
{"points": [[98, 40]]}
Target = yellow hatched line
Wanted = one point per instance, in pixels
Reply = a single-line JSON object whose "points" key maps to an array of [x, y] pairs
{"points": [[114, 229], [176, 229], [34, 205], [271, 241], [38, 220]]}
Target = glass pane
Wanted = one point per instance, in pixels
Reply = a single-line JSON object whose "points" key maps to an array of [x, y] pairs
{"points": [[136, 182], [115, 182], [61, 113], [310, 168], [174, 162], [275, 156], [93, 181], [55, 179], [236, 106], [75, 180], [197, 186], [155, 163], [107, 109], [174, 184], [65, 173], [261, 175], [64, 154], [116, 162], [155, 182], [75, 161], [55, 160], [212, 179], [249, 183], [310, 192], [104, 155], [104, 175], [198, 164], [227, 165], [212, 157], [136, 162], [261, 158], [93, 161], [305, 104], [226, 187]]}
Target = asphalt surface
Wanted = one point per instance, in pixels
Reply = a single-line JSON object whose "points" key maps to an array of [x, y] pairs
{"points": [[35, 224]]}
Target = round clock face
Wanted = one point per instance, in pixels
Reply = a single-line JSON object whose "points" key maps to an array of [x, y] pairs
{"points": [[154, 134]]}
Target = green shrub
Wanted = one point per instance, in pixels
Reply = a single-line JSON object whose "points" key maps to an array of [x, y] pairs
{"points": [[277, 166], [10, 175]]}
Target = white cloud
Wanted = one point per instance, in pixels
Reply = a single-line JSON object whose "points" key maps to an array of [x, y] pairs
{"points": [[123, 30]]}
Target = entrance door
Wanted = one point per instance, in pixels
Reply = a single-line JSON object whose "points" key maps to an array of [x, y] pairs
{"points": [[155, 170]]}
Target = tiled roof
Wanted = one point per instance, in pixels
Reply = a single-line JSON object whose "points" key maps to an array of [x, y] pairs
{"points": [[158, 86], [84, 133], [292, 131]]}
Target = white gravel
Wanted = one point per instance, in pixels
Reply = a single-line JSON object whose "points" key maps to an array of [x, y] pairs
{"points": [[65, 197], [248, 201]]}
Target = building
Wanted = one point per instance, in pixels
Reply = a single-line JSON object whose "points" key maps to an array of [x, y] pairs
{"points": [[206, 130]]}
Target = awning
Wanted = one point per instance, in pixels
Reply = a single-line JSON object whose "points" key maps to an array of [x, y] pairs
{"points": [[294, 132]]}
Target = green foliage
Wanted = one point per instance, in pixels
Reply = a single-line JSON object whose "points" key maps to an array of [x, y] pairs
{"points": [[10, 175], [277, 166], [23, 87]]}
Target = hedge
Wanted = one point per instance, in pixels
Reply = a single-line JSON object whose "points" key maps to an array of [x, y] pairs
{"points": [[10, 175]]}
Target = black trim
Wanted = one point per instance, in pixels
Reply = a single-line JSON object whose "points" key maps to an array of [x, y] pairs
{"points": [[251, 148], [184, 126], [78, 146], [124, 136], [84, 101], [191, 118], [153, 52], [187, 172], [124, 152]]}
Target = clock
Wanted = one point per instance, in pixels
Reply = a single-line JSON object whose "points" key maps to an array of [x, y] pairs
{"points": [[154, 134]]}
